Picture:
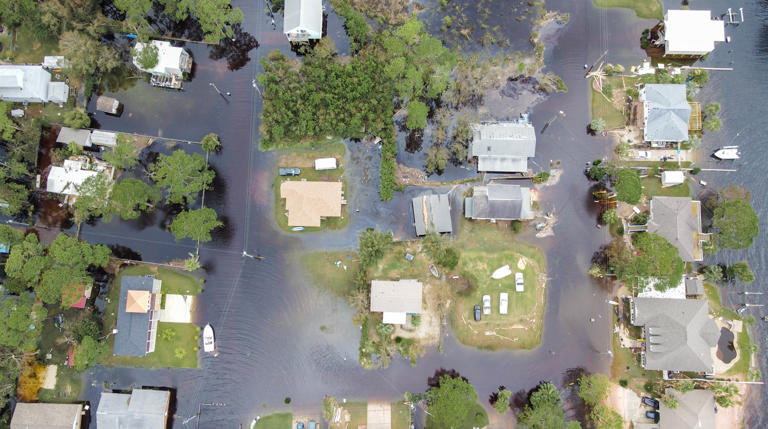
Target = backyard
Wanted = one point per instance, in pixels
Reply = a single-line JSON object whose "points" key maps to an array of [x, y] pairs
{"points": [[274, 421], [652, 186], [304, 160], [611, 110], [25, 46], [649, 9]]}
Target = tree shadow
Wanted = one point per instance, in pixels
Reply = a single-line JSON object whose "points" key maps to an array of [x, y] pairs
{"points": [[235, 49]]}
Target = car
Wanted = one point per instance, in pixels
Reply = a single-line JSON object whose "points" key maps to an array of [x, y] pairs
{"points": [[312, 425], [289, 171], [299, 425], [486, 304], [503, 302], [653, 415], [651, 402], [643, 154], [477, 313], [519, 283]]}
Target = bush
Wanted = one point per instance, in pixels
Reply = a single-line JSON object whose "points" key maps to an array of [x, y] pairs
{"points": [[435, 247], [517, 226], [695, 170], [77, 119], [742, 271], [713, 273], [610, 217], [713, 123], [629, 188], [640, 219], [632, 92], [541, 177], [623, 382], [597, 125], [608, 90], [416, 320], [712, 109]]}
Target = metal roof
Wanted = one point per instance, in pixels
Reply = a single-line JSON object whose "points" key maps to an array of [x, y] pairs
{"points": [[303, 19], [104, 138], [694, 286], [679, 334], [500, 201], [68, 135], [132, 328], [695, 410], [432, 213], [402, 296], [691, 32], [666, 112], [503, 146], [143, 408], [46, 416], [678, 219], [22, 84]]}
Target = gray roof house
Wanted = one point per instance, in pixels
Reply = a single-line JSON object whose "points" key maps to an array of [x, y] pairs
{"points": [[678, 219], [666, 112], [432, 213], [30, 84], [80, 137], [503, 146], [694, 286], [695, 410], [47, 416], [679, 334], [396, 299], [137, 316], [303, 20], [499, 201], [142, 408]]}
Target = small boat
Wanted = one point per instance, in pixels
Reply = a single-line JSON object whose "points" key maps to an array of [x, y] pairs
{"points": [[297, 228], [433, 270], [728, 152], [501, 273], [209, 343]]}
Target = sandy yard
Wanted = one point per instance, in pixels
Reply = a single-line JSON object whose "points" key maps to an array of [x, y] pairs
{"points": [[428, 332], [178, 308], [733, 417], [49, 378], [625, 402]]}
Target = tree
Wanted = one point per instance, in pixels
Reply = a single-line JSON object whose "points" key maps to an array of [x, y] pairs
{"points": [[14, 12], [597, 125], [735, 223], [88, 327], [183, 175], [713, 273], [712, 109], [195, 224], [123, 154], [85, 54], [610, 217], [629, 188], [502, 401], [372, 244], [211, 143], [653, 259], [593, 388], [20, 325], [329, 407], [192, 264], [724, 393], [130, 197], [76, 118], [544, 410], [742, 271], [437, 248], [136, 12], [604, 417], [437, 159], [216, 17], [10, 236], [27, 260], [7, 126], [453, 404], [15, 196], [88, 353], [93, 198], [417, 115], [713, 123], [146, 57]]}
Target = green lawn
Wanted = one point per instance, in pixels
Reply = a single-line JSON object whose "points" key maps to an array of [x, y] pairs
{"points": [[652, 188], [275, 421], [303, 158], [185, 341], [745, 353], [174, 281], [716, 308], [602, 108], [477, 417], [649, 9], [327, 275], [394, 266], [27, 47], [69, 383], [667, 165], [401, 416]]}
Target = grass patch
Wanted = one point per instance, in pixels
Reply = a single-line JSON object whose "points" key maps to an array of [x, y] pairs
{"points": [[648, 9], [667, 165], [327, 275], [185, 341], [275, 421], [652, 187], [626, 366], [69, 383], [304, 159], [358, 415], [716, 307], [477, 417], [745, 353], [174, 282], [28, 47], [401, 416], [602, 108]]}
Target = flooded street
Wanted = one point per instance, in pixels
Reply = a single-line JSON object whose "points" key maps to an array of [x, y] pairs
{"points": [[267, 314]]}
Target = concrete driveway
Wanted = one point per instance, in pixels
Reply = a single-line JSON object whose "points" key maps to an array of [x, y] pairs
{"points": [[178, 309]]}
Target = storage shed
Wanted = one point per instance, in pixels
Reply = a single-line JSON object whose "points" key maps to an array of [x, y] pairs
{"points": [[672, 178], [325, 164]]}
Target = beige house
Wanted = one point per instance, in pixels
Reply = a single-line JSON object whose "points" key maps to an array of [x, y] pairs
{"points": [[47, 416], [396, 299], [308, 203]]}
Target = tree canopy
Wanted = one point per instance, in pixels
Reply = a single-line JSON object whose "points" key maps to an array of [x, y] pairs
{"points": [[123, 154], [20, 326], [183, 176], [372, 245], [604, 417], [147, 57], [417, 115], [85, 54], [88, 353], [195, 224], [742, 271], [593, 388], [211, 143], [735, 224], [654, 259], [453, 405], [544, 409]]}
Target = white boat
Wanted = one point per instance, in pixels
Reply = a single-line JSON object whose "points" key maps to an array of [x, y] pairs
{"points": [[209, 343], [501, 273], [728, 152]]}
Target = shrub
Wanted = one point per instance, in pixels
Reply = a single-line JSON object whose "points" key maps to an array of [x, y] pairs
{"points": [[416, 320], [695, 170], [713, 123], [517, 226], [610, 217], [608, 90], [597, 125], [712, 109], [713, 273], [632, 92], [541, 177], [640, 219], [623, 382]]}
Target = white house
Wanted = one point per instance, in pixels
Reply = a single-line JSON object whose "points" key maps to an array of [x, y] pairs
{"points": [[690, 33], [30, 84], [672, 178], [325, 164], [396, 299], [171, 60], [68, 178], [303, 20]]}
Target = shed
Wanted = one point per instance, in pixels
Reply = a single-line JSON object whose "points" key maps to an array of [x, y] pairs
{"points": [[396, 299], [432, 213], [79, 137], [46, 416], [694, 286], [325, 164], [672, 178], [104, 138], [108, 105]]}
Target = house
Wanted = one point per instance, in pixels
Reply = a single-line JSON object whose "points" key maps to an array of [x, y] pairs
{"points": [[142, 408], [678, 219], [172, 63], [30, 84], [308, 203], [689, 33], [68, 135], [325, 164], [67, 178], [137, 317], [303, 20], [47, 416], [666, 112], [499, 201], [679, 334], [108, 105], [503, 146], [396, 299], [695, 410], [432, 213], [672, 178], [104, 138], [694, 286]]}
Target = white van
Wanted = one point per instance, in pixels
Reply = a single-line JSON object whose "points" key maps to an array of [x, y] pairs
{"points": [[503, 302]]}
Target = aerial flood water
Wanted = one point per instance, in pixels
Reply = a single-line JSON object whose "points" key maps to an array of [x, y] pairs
{"points": [[267, 313]]}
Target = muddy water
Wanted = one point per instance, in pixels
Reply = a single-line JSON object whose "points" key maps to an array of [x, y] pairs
{"points": [[267, 314]]}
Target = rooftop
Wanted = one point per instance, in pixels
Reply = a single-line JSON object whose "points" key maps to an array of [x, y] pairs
{"points": [[171, 60], [402, 296], [309, 202], [46, 416], [303, 19], [432, 213], [695, 410], [691, 32], [66, 179], [68, 135], [135, 330], [666, 112], [142, 408], [678, 219], [503, 146], [30, 84], [500, 201]]}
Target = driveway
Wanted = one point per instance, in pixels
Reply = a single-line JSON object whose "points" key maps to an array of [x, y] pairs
{"points": [[178, 309]]}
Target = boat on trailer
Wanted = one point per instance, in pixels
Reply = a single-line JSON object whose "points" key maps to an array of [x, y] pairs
{"points": [[728, 152], [209, 342]]}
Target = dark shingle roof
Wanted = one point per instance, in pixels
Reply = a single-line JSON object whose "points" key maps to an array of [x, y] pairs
{"points": [[501, 201], [695, 410], [679, 221], [132, 328]]}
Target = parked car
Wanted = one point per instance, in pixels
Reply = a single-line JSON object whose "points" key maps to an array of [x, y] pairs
{"points": [[477, 313], [289, 171], [653, 415], [651, 402], [312, 425], [299, 425], [486, 304], [519, 284], [503, 302], [644, 154]]}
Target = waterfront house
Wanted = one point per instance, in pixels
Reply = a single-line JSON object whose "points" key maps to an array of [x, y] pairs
{"points": [[689, 33], [46, 416], [432, 213], [396, 299], [137, 317], [67, 178], [308, 203], [666, 113], [30, 84], [503, 146], [499, 201], [678, 219], [679, 334], [303, 20], [172, 63], [695, 410], [108, 105], [142, 408]]}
